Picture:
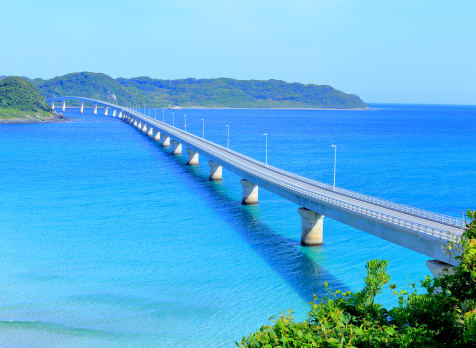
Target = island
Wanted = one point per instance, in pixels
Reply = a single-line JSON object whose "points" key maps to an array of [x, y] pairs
{"points": [[198, 93]]}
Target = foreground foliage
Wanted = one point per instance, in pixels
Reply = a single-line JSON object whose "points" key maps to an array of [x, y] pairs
{"points": [[443, 316]]}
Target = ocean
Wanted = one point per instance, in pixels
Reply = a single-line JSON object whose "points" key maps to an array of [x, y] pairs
{"points": [[108, 240]]}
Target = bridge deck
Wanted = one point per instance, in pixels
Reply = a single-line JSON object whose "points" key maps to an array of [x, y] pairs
{"points": [[397, 217]]}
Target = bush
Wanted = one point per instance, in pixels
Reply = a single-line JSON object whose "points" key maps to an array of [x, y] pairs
{"points": [[443, 316]]}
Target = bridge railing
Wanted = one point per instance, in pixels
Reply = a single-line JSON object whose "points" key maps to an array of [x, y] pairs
{"points": [[428, 215], [440, 233]]}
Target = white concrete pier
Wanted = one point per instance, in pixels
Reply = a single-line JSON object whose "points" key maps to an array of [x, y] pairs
{"points": [[151, 132], [157, 136], [114, 113], [192, 157], [312, 225], [64, 106], [176, 147], [438, 268], [95, 111], [81, 109], [106, 111], [144, 128], [53, 106], [250, 192], [216, 171], [165, 141]]}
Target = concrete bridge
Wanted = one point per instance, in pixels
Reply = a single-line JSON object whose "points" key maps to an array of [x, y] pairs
{"points": [[413, 228]]}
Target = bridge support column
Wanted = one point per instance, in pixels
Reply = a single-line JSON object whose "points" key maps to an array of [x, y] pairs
{"points": [[157, 136], [166, 141], [53, 106], [114, 113], [120, 114], [437, 268], [176, 147], [144, 128], [64, 106], [216, 171], [192, 157], [139, 125], [95, 111], [81, 109], [312, 225], [151, 132], [106, 111], [250, 192], [135, 123]]}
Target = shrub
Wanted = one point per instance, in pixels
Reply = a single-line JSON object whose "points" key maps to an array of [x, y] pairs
{"points": [[443, 316]]}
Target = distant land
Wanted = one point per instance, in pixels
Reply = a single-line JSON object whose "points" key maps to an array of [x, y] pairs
{"points": [[21, 102], [199, 93]]}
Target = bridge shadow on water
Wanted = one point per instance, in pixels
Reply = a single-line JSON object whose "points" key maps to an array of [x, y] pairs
{"points": [[294, 263]]}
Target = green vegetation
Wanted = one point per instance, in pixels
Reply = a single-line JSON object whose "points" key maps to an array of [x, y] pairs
{"points": [[443, 316], [221, 92], [19, 99]]}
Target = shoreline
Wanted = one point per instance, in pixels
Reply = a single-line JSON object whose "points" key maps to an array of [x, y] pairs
{"points": [[290, 108], [22, 120]]}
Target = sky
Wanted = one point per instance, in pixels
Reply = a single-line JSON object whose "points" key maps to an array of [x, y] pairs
{"points": [[385, 51]]}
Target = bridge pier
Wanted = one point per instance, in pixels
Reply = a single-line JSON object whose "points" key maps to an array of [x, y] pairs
{"points": [[139, 125], [106, 111], [135, 123], [114, 113], [53, 106], [192, 157], [157, 136], [176, 147], [81, 109], [120, 114], [166, 141], [250, 192], [144, 128], [95, 111], [312, 226], [64, 106], [437, 268], [151, 132], [216, 170]]}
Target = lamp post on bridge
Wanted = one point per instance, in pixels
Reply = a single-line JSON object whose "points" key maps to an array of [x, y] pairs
{"points": [[203, 128], [227, 136], [266, 148], [335, 163]]}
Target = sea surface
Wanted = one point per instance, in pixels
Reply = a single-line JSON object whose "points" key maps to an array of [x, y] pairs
{"points": [[108, 240]]}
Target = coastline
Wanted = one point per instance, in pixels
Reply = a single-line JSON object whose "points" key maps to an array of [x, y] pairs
{"points": [[277, 108], [24, 120]]}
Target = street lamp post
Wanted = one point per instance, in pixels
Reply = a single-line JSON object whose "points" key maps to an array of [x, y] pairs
{"points": [[227, 136], [266, 148], [335, 163], [203, 128]]}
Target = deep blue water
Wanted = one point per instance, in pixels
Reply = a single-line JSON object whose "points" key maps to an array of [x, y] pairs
{"points": [[107, 240]]}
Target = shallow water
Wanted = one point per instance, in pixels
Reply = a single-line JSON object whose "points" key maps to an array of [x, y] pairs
{"points": [[108, 240]]}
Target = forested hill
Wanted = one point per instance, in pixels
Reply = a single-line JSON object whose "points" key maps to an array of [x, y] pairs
{"points": [[220, 92], [18, 93]]}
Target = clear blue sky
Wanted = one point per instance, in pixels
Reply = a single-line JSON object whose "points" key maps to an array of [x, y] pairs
{"points": [[384, 51]]}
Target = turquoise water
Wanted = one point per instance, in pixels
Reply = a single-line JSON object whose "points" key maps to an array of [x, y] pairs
{"points": [[107, 240]]}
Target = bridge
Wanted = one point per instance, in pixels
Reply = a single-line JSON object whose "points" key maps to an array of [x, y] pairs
{"points": [[420, 230]]}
